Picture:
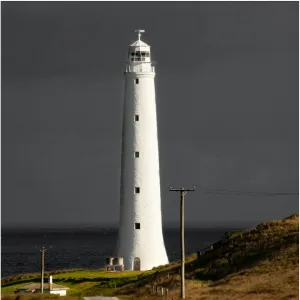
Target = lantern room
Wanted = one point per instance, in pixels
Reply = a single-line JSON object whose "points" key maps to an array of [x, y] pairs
{"points": [[139, 51]]}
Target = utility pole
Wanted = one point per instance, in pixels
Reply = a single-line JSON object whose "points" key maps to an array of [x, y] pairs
{"points": [[183, 192], [42, 268]]}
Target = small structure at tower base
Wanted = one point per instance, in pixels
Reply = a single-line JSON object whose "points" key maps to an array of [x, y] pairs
{"points": [[114, 264]]}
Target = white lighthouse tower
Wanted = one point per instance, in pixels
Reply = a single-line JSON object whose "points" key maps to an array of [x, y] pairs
{"points": [[140, 241]]}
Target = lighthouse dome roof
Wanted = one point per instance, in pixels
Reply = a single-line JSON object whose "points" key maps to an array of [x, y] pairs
{"points": [[139, 46], [139, 43]]}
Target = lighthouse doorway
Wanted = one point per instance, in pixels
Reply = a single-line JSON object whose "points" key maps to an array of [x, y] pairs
{"points": [[136, 264]]}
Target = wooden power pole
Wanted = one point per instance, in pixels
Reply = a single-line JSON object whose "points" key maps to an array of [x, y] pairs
{"points": [[183, 192], [42, 268]]}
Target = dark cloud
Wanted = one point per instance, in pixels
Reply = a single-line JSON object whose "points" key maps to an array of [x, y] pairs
{"points": [[227, 96]]}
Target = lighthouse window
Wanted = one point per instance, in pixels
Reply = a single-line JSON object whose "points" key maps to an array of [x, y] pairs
{"points": [[137, 117], [136, 154], [137, 190], [140, 54], [137, 225], [137, 81]]}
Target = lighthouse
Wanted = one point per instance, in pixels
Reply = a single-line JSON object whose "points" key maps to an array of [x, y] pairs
{"points": [[140, 240]]}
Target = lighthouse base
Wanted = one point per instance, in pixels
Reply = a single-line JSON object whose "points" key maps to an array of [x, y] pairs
{"points": [[140, 263]]}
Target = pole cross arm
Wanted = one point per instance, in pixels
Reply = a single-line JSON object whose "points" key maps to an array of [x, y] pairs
{"points": [[182, 190]]}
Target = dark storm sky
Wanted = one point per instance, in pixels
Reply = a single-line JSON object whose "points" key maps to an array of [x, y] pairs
{"points": [[227, 100]]}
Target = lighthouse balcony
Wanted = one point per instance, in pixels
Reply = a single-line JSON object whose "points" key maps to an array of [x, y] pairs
{"points": [[140, 69]]}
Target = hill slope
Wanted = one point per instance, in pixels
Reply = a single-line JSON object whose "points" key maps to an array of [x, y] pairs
{"points": [[261, 263]]}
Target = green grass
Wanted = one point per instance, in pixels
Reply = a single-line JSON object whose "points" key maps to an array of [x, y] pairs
{"points": [[80, 282], [26, 277], [96, 274], [10, 289]]}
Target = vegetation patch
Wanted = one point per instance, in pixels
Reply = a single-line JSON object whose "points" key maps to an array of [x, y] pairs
{"points": [[35, 297], [79, 282], [258, 263], [261, 263]]}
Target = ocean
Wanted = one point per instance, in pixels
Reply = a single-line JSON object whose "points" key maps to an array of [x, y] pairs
{"points": [[83, 248]]}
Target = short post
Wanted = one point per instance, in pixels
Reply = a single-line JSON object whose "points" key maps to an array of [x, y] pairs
{"points": [[166, 293]]}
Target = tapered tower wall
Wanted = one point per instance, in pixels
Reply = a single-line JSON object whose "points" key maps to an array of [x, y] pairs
{"points": [[141, 242]]}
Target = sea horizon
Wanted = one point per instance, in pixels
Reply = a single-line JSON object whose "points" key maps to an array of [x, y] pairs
{"points": [[115, 226], [85, 248]]}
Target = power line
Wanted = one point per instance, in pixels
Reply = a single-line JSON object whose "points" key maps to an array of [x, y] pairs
{"points": [[246, 193]]}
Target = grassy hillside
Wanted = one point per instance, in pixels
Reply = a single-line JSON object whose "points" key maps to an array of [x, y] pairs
{"points": [[257, 264], [261, 263]]}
